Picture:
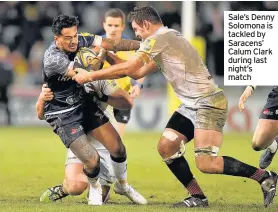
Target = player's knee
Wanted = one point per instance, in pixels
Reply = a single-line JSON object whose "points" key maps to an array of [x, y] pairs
{"points": [[205, 159], [203, 163], [162, 148], [257, 145], [76, 187], [168, 144]]}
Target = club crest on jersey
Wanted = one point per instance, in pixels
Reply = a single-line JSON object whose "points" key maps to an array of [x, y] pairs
{"points": [[148, 45]]}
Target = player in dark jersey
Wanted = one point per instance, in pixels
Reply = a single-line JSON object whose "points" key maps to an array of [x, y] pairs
{"points": [[73, 115], [265, 136]]}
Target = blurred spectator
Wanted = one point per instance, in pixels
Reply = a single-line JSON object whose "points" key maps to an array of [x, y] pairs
{"points": [[35, 63], [6, 80]]}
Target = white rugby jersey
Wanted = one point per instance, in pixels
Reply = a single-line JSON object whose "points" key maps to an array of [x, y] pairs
{"points": [[180, 63], [101, 87]]}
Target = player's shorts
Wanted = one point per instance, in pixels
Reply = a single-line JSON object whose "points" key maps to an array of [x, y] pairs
{"points": [[270, 113], [71, 125], [270, 110], [106, 170], [122, 116], [209, 113]]}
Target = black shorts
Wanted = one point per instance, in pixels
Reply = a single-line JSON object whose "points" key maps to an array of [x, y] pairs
{"points": [[71, 125], [270, 113], [182, 125], [122, 116]]}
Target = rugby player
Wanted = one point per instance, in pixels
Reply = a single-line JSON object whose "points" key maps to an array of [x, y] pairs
{"points": [[73, 115], [114, 25], [201, 115], [264, 137], [75, 181]]}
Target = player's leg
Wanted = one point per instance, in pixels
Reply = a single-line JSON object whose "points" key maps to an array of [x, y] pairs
{"points": [[178, 131], [71, 131], [208, 139], [108, 136], [107, 176], [122, 117], [264, 136], [98, 126]]}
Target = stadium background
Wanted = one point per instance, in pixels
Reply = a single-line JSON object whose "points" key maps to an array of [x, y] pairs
{"points": [[32, 157]]}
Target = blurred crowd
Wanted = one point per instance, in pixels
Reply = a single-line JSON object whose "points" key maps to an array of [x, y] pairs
{"points": [[25, 30]]}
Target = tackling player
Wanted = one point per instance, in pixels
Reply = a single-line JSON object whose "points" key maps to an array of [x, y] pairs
{"points": [[201, 115], [267, 128], [114, 25], [75, 181], [73, 115]]}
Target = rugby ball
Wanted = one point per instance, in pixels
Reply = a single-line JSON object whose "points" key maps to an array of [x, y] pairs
{"points": [[85, 57]]}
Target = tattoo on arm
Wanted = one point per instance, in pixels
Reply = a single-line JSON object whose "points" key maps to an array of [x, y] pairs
{"points": [[123, 45], [127, 45]]}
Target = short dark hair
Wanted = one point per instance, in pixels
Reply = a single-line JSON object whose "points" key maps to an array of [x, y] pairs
{"points": [[115, 13], [63, 21], [147, 13]]}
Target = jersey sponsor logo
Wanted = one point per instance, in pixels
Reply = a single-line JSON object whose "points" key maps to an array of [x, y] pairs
{"points": [[74, 98], [112, 83], [148, 45], [76, 130], [99, 114], [268, 112], [63, 78]]}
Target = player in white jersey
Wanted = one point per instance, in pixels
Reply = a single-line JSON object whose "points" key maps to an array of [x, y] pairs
{"points": [[75, 182], [201, 115]]}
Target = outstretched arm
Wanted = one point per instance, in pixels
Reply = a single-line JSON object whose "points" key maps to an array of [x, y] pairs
{"points": [[123, 45], [137, 67]]}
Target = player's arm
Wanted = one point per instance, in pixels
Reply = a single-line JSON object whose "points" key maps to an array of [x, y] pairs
{"points": [[120, 99], [110, 93], [137, 67], [91, 40], [45, 95], [136, 88], [123, 45], [245, 95]]}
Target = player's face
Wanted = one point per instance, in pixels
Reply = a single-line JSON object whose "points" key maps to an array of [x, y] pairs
{"points": [[113, 27], [141, 32], [68, 40]]}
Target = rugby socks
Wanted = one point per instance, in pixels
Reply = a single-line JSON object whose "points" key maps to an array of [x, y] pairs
{"points": [[236, 168], [273, 147], [92, 177], [120, 168], [181, 170]]}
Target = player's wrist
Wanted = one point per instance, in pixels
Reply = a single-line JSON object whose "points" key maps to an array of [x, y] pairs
{"points": [[252, 87], [41, 99]]}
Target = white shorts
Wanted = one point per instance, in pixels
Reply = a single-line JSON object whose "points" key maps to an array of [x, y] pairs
{"points": [[106, 170]]}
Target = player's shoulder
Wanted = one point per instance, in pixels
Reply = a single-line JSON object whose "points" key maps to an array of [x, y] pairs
{"points": [[163, 33], [54, 58]]}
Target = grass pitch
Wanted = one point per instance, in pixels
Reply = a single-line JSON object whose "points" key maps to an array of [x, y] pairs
{"points": [[32, 159]]}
